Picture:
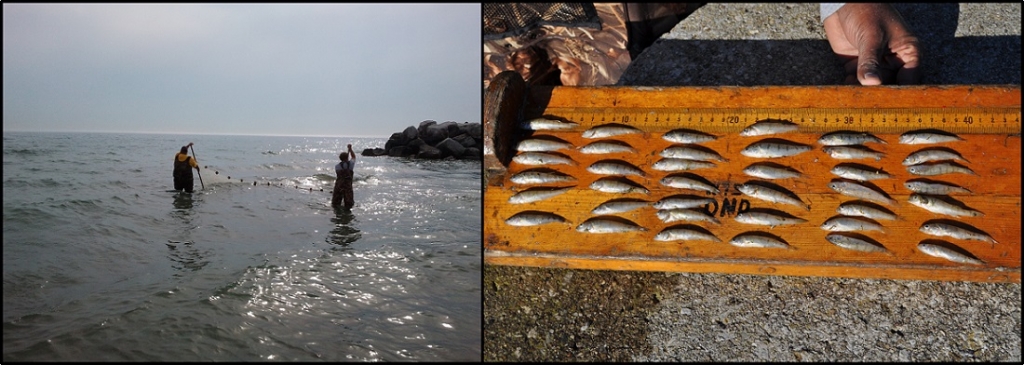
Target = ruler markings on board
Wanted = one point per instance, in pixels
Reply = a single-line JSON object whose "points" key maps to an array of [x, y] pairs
{"points": [[975, 120]]}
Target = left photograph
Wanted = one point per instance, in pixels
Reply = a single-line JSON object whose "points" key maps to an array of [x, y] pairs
{"points": [[242, 182]]}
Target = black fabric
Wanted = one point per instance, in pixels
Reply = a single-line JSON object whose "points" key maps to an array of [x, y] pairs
{"points": [[183, 174], [503, 20]]}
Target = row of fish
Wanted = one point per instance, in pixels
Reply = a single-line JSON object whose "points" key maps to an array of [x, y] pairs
{"points": [[854, 181]]}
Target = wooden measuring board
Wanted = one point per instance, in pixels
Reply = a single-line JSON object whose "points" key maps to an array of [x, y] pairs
{"points": [[986, 118]]}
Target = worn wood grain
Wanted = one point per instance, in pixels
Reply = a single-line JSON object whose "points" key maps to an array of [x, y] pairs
{"points": [[993, 153]]}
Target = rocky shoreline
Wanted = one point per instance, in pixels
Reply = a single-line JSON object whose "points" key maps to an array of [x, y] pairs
{"points": [[434, 141]]}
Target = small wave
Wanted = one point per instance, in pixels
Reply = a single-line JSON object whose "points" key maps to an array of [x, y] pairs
{"points": [[27, 152], [270, 153]]}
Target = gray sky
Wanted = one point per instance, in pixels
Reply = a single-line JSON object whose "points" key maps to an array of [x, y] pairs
{"points": [[266, 69]]}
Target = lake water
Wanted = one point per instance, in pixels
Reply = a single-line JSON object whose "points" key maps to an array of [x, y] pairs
{"points": [[104, 261]]}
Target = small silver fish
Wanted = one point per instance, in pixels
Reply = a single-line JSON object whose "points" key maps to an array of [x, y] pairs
{"points": [[536, 195], [530, 177], [687, 136], [849, 224], [927, 137], [858, 209], [541, 158], [678, 164], [612, 167], [941, 229], [684, 234], [691, 153], [859, 191], [932, 154], [774, 149], [605, 225], [939, 169], [525, 219], [680, 182], [695, 215], [939, 206], [948, 254], [606, 147], [748, 240], [619, 206], [854, 243], [681, 203], [607, 185], [542, 124], [855, 172], [541, 145], [852, 152], [934, 187], [770, 195], [766, 127], [609, 130], [771, 172], [767, 219], [848, 138]]}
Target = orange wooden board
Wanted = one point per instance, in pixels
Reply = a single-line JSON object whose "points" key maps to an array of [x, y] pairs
{"points": [[993, 154]]}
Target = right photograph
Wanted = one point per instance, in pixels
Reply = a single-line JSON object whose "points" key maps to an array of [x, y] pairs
{"points": [[751, 182]]}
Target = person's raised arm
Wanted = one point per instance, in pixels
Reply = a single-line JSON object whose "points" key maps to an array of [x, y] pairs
{"points": [[875, 44], [351, 154]]}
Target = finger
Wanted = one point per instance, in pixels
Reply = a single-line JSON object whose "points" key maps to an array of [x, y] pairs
{"points": [[869, 58]]}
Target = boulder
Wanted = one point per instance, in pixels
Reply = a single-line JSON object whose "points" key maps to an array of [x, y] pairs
{"points": [[410, 133], [429, 152], [414, 145], [397, 151], [434, 133], [465, 140], [423, 126], [451, 128], [472, 153], [374, 152], [451, 147], [397, 139]]}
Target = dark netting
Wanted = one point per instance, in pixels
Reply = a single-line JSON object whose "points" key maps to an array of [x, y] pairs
{"points": [[502, 20]]}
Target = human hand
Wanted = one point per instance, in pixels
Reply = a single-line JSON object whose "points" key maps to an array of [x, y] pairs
{"points": [[875, 44], [350, 146], [190, 144]]}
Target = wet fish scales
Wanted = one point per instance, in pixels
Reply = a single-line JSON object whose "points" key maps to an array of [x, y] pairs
{"points": [[541, 158], [621, 206], [934, 188], [939, 206], [940, 229], [860, 210], [850, 224], [768, 127], [542, 124], [617, 187], [680, 182], [541, 145], [948, 254], [676, 164], [602, 225], [853, 243], [770, 195], [767, 219], [535, 195], [685, 214], [852, 153], [771, 172], [922, 137], [689, 153], [929, 155], [859, 191], [848, 138], [756, 241], [606, 147], [859, 174], [939, 169], [687, 136], [526, 219], [540, 177], [683, 234], [764, 149], [680, 203], [614, 168], [605, 131]]}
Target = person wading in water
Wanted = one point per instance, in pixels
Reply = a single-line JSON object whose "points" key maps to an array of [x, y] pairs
{"points": [[183, 165], [343, 185]]}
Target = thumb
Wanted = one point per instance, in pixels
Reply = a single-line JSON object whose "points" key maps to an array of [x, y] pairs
{"points": [[868, 61]]}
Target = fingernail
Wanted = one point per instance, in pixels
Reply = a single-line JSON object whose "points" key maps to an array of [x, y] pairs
{"points": [[871, 74]]}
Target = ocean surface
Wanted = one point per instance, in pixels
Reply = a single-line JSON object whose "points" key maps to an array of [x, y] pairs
{"points": [[103, 260]]}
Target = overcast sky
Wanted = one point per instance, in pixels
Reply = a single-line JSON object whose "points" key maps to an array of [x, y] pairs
{"points": [[244, 69]]}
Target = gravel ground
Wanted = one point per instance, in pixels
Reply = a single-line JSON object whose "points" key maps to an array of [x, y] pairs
{"points": [[535, 314]]}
